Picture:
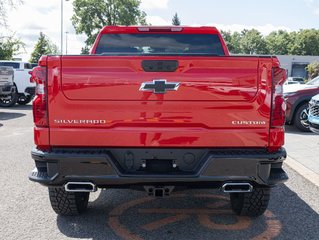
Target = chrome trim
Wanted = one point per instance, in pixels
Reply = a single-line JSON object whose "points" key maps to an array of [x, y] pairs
{"points": [[142, 88], [90, 187], [247, 187]]}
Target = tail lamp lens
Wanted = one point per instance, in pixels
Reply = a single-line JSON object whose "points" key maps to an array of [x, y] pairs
{"points": [[278, 103], [40, 116]]}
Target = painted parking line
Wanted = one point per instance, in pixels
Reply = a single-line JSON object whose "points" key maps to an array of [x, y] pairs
{"points": [[206, 216], [160, 223]]}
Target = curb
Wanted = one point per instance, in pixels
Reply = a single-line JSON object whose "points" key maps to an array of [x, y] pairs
{"points": [[303, 171]]}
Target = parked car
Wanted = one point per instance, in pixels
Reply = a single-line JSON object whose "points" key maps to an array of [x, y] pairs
{"points": [[24, 89], [7, 87], [296, 79], [297, 98], [291, 82], [314, 114]]}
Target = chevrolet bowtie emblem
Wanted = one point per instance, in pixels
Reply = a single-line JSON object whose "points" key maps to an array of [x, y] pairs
{"points": [[159, 86]]}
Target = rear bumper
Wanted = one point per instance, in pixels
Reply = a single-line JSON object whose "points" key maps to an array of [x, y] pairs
{"points": [[114, 168]]}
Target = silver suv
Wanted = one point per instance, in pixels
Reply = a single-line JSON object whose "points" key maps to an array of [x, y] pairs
{"points": [[313, 117], [7, 87]]}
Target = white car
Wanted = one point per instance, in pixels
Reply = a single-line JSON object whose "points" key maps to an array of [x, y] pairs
{"points": [[291, 82], [296, 79], [24, 88], [292, 88]]}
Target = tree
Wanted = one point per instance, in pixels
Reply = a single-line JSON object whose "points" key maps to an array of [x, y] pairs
{"points": [[176, 21], [43, 47], [91, 15], [236, 43], [10, 46], [306, 42], [278, 42], [313, 70], [233, 41], [303, 42], [6, 5], [245, 42], [252, 42], [227, 36], [85, 50], [291, 46]]}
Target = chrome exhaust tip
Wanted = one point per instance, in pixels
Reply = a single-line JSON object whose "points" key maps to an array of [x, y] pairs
{"points": [[237, 187], [80, 187]]}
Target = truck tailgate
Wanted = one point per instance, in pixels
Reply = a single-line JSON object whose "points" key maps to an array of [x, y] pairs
{"points": [[207, 79], [221, 101]]}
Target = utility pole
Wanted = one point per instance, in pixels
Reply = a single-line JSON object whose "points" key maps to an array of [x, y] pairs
{"points": [[62, 25], [66, 43]]}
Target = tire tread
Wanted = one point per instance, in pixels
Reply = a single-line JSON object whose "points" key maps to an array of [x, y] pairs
{"points": [[68, 203], [251, 204]]}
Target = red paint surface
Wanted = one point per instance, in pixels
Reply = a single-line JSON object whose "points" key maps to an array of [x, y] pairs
{"points": [[213, 92]]}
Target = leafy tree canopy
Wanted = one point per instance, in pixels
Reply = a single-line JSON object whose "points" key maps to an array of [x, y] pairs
{"points": [[176, 21], [85, 50], [279, 42], [252, 42], [90, 16], [303, 42], [10, 46], [44, 46], [313, 69]]}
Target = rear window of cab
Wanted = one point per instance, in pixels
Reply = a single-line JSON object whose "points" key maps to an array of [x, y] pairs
{"points": [[160, 44]]}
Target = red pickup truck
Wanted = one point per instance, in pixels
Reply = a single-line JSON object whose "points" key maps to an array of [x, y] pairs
{"points": [[158, 109]]}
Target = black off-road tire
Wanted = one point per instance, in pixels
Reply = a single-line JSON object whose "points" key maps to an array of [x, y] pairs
{"points": [[25, 100], [252, 204], [68, 203], [302, 124]]}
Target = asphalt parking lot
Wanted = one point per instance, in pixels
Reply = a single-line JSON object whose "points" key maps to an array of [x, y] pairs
{"points": [[124, 214]]}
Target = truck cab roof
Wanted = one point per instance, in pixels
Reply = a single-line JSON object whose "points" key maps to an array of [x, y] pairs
{"points": [[136, 29], [164, 31]]}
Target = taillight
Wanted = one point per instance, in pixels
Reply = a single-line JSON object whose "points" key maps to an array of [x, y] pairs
{"points": [[40, 110], [278, 102]]}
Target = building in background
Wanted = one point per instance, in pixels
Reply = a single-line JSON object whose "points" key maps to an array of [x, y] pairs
{"points": [[296, 65]]}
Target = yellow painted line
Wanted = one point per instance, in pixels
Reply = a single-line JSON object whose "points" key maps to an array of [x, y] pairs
{"points": [[272, 228], [182, 211], [241, 224], [165, 221]]}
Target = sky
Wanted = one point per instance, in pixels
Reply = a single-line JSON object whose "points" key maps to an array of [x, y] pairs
{"points": [[27, 20]]}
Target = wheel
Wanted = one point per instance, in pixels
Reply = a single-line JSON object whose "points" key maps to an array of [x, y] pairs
{"points": [[301, 118], [23, 100], [68, 203], [10, 100], [252, 204]]}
